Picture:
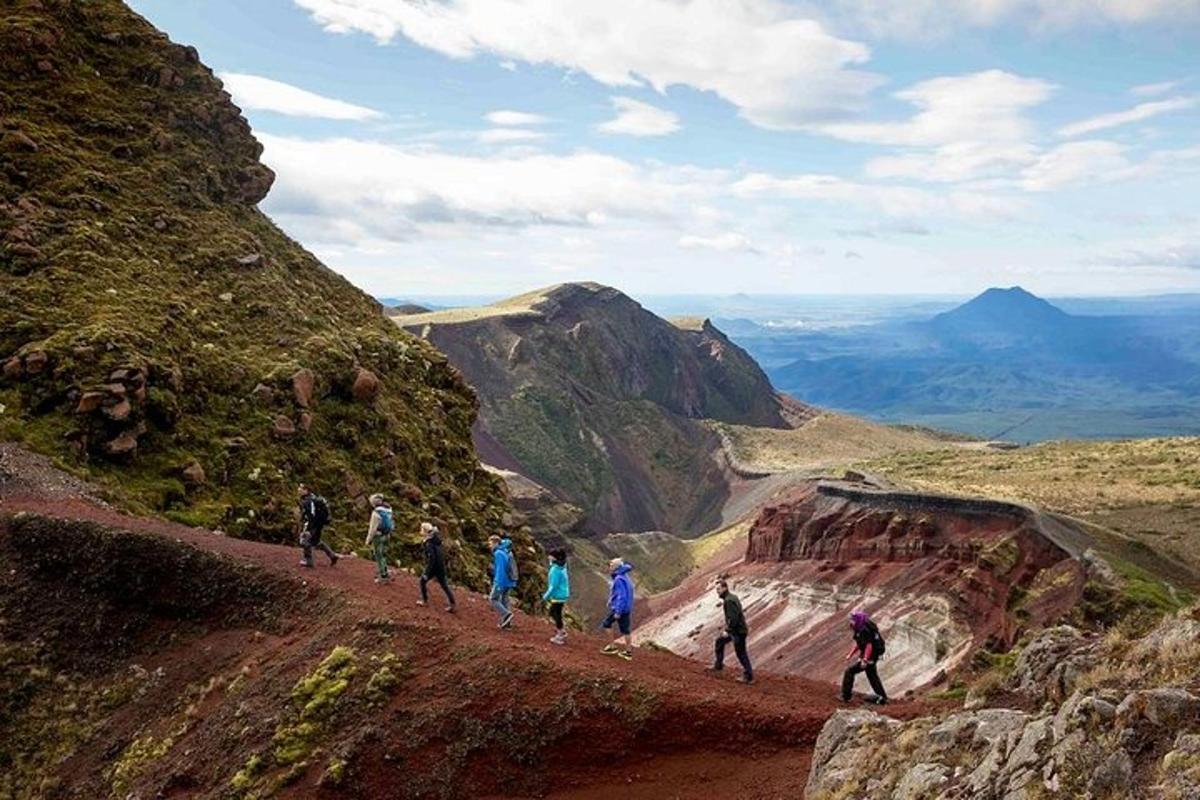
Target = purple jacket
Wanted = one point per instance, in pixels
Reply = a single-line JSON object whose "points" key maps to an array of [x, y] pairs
{"points": [[620, 597]]}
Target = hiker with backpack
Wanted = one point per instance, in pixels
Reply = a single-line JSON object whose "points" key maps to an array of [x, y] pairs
{"points": [[869, 647], [435, 566], [558, 591], [620, 610], [736, 631], [314, 516], [379, 533], [504, 578]]}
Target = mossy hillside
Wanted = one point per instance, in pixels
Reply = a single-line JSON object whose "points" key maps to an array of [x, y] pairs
{"points": [[129, 241]]}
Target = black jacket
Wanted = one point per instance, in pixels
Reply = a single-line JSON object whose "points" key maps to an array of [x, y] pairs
{"points": [[869, 635], [735, 620], [435, 562]]}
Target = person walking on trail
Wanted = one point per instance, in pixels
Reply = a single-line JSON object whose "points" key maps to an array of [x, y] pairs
{"points": [[868, 649], [736, 631], [379, 533], [435, 566], [558, 591], [504, 578], [314, 516], [620, 610]]}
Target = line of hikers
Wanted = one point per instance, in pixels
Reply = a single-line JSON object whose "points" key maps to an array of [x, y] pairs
{"points": [[868, 647]]}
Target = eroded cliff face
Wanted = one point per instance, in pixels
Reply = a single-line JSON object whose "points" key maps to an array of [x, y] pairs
{"points": [[1092, 717], [589, 394], [942, 576], [161, 335]]}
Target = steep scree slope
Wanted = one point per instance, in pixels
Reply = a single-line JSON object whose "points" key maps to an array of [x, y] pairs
{"points": [[587, 393], [943, 576], [160, 334]]}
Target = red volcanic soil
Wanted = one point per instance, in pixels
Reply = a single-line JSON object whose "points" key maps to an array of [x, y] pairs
{"points": [[481, 712], [943, 576]]}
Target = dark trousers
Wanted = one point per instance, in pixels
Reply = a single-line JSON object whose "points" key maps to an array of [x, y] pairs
{"points": [[872, 678], [440, 577], [310, 540], [556, 612], [739, 647]]}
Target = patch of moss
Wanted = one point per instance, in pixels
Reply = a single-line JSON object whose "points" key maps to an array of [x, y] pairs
{"points": [[139, 755]]}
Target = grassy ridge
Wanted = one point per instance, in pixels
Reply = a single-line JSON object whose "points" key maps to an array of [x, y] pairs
{"points": [[131, 242]]}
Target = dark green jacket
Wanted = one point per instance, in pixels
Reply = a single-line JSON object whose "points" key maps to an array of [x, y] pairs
{"points": [[735, 620]]}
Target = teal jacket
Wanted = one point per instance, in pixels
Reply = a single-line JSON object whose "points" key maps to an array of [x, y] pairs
{"points": [[559, 584]]}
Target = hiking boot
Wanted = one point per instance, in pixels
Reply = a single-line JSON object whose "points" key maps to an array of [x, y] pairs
{"points": [[306, 565], [714, 668], [421, 603], [558, 638], [451, 609], [507, 621], [876, 700], [333, 560], [747, 679], [383, 580]]}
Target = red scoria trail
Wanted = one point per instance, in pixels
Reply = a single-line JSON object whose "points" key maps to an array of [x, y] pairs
{"points": [[757, 764]]}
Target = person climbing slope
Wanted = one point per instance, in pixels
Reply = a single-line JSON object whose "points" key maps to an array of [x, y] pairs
{"points": [[379, 533], [504, 578], [558, 591], [736, 631], [435, 566], [620, 610], [869, 648], [314, 516]]}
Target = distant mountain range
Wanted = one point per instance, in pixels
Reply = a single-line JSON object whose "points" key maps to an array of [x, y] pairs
{"points": [[1005, 364]]}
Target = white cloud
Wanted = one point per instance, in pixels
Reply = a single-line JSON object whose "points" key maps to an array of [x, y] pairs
{"points": [[778, 67], [956, 162], [636, 118], [257, 93], [509, 136], [1136, 114], [925, 19], [1173, 255], [978, 107], [398, 193], [1088, 161], [730, 242], [513, 119], [1155, 89], [904, 202]]}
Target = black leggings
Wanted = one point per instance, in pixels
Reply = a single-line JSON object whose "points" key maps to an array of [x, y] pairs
{"points": [[872, 678], [556, 614], [440, 577]]}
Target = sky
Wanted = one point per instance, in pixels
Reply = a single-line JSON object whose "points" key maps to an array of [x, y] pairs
{"points": [[716, 146]]}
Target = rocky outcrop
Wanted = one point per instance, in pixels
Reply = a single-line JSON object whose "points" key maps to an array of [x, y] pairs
{"points": [[587, 393], [1128, 726], [150, 314], [943, 577]]}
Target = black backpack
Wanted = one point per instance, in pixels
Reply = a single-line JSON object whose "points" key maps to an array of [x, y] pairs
{"points": [[320, 511]]}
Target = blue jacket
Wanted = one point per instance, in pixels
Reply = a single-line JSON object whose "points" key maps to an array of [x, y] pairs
{"points": [[500, 557], [558, 586], [620, 597]]}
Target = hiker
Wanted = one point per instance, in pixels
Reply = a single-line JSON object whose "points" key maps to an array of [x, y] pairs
{"points": [[869, 648], [504, 577], [379, 533], [435, 566], [314, 516], [735, 632], [558, 591], [620, 610]]}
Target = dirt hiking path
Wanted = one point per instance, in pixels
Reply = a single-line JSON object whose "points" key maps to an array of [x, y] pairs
{"points": [[776, 720]]}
